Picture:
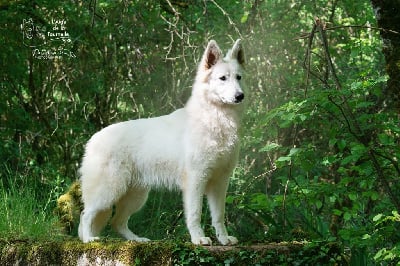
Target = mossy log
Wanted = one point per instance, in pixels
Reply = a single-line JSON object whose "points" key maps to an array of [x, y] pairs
{"points": [[116, 252]]}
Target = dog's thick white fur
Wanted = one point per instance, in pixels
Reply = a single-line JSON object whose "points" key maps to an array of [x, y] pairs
{"points": [[194, 148]]}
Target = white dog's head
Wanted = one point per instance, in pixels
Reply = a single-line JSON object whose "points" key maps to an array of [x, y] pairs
{"points": [[221, 77]]}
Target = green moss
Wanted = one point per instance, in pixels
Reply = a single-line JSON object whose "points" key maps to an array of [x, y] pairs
{"points": [[69, 206], [73, 252]]}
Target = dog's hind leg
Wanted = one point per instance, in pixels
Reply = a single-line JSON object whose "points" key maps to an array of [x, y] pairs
{"points": [[128, 204], [101, 220], [92, 222]]}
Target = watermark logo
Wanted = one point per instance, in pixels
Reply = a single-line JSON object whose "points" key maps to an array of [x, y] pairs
{"points": [[47, 42]]}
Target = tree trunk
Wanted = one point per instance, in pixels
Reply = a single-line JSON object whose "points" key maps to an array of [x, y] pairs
{"points": [[387, 13]]}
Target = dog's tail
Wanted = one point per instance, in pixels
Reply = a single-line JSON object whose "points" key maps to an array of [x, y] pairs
{"points": [[69, 207]]}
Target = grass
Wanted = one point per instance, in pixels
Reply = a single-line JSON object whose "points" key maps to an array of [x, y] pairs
{"points": [[23, 212]]}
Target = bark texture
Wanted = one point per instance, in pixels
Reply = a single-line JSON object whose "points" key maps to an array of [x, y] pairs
{"points": [[387, 13]]}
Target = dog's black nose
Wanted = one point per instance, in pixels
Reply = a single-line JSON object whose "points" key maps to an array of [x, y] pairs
{"points": [[239, 97]]}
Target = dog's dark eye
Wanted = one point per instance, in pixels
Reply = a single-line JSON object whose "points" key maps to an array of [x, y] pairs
{"points": [[222, 78], [238, 77]]}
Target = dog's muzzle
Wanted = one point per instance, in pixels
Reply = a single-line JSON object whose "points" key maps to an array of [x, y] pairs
{"points": [[239, 96]]}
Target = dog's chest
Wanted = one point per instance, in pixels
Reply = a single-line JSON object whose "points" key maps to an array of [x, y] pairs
{"points": [[212, 134], [218, 144]]}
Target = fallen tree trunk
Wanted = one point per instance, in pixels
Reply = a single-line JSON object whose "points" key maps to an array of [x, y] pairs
{"points": [[116, 252]]}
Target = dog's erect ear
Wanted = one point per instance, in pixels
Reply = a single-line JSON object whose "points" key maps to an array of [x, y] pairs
{"points": [[237, 52], [211, 55]]}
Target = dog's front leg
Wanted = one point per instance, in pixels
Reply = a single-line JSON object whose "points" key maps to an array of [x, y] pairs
{"points": [[216, 196], [193, 200]]}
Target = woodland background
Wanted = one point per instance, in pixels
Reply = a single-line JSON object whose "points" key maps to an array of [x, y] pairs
{"points": [[320, 137]]}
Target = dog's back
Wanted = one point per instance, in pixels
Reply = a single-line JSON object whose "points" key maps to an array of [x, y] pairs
{"points": [[147, 149]]}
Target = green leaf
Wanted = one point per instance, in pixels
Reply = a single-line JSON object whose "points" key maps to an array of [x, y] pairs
{"points": [[229, 199], [284, 159], [332, 142], [349, 159], [341, 143], [332, 199], [380, 253], [356, 85], [365, 104], [293, 151], [353, 196], [347, 216], [337, 212], [385, 139], [270, 147], [374, 195], [377, 217], [245, 17], [396, 216], [358, 149], [366, 236], [318, 204]]}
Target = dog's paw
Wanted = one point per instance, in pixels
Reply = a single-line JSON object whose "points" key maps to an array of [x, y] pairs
{"points": [[203, 240], [91, 239], [228, 240], [135, 238], [141, 239]]}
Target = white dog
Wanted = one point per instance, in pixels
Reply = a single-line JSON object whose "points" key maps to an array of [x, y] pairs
{"points": [[194, 148]]}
